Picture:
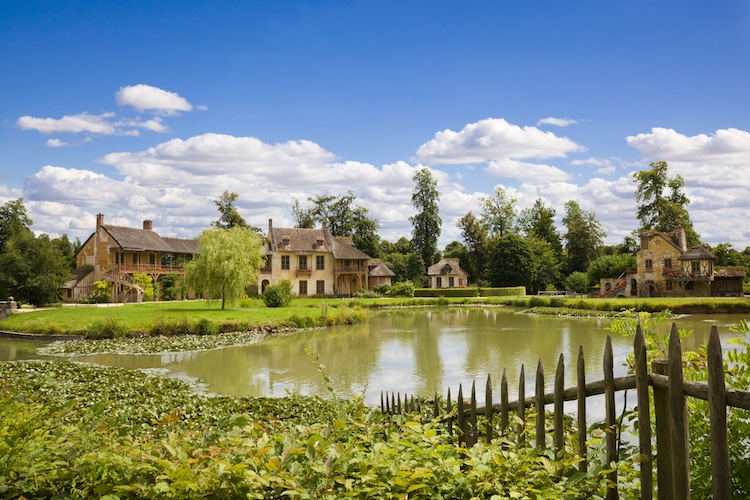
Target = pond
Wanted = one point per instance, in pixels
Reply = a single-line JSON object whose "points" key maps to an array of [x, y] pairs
{"points": [[414, 351]]}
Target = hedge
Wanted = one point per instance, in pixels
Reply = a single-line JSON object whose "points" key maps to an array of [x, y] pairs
{"points": [[446, 292], [502, 292]]}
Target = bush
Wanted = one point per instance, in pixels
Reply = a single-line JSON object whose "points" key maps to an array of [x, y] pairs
{"points": [[170, 326], [402, 289], [446, 292], [205, 326], [382, 289], [279, 295], [577, 282], [99, 295], [502, 291]]}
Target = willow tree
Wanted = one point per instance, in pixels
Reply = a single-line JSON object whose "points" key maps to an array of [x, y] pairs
{"points": [[230, 261]]}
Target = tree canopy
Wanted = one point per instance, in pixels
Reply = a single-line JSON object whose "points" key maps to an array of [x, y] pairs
{"points": [[426, 222], [499, 212], [230, 261], [661, 204], [583, 238]]}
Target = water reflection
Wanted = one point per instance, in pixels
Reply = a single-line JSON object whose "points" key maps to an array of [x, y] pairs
{"points": [[419, 351]]}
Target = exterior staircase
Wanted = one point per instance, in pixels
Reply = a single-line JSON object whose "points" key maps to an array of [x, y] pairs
{"points": [[123, 279], [617, 288]]}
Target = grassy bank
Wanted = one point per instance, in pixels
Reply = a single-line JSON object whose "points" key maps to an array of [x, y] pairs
{"points": [[202, 317]]}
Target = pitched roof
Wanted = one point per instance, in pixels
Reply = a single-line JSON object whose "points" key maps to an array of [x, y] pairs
{"points": [[697, 252], [313, 240], [142, 240], [446, 266], [380, 269]]}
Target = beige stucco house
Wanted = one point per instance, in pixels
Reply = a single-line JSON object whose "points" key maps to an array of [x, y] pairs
{"points": [[447, 274], [115, 253], [314, 261], [666, 267]]}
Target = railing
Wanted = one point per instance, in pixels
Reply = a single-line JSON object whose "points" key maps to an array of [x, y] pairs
{"points": [[669, 405], [149, 268]]}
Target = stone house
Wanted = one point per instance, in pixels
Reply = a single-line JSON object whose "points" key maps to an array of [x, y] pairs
{"points": [[447, 274], [666, 267], [314, 261], [114, 253]]}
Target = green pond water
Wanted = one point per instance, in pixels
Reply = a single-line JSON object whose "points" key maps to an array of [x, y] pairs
{"points": [[414, 351]]}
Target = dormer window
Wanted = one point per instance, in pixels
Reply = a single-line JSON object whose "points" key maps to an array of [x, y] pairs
{"points": [[319, 243], [285, 242]]}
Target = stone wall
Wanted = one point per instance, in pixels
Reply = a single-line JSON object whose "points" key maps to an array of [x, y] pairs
{"points": [[7, 307]]}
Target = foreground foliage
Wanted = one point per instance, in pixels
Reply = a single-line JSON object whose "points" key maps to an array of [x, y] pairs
{"points": [[76, 431]]}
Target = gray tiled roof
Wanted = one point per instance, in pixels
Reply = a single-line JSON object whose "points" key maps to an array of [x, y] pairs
{"points": [[380, 269], [142, 240]]}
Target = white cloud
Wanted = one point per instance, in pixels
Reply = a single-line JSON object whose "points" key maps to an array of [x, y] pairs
{"points": [[84, 122], [55, 143], [605, 166], [558, 122], [530, 172], [494, 139], [145, 97]]}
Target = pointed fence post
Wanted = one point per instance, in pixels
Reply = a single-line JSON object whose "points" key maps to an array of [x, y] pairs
{"points": [[663, 434], [559, 436], [473, 429], [436, 406], [541, 435], [644, 416], [461, 417], [448, 409], [582, 425], [609, 418], [488, 410], [678, 408], [504, 404], [521, 406], [717, 402]]}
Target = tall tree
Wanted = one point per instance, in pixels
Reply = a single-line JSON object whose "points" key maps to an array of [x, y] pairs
{"points": [[584, 236], [365, 232], [539, 222], [13, 220], [661, 203], [474, 234], [230, 217], [426, 223], [230, 261], [545, 264], [499, 212], [510, 262], [303, 216]]}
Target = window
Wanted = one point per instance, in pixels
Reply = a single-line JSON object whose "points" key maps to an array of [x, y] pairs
{"points": [[285, 262], [320, 287], [438, 282], [135, 259], [668, 263], [319, 243], [285, 242], [166, 259], [119, 258], [451, 281], [152, 259], [320, 262], [302, 262], [303, 288], [649, 264], [670, 285], [696, 266]]}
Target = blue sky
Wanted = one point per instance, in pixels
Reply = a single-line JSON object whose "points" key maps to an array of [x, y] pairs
{"points": [[151, 110]]}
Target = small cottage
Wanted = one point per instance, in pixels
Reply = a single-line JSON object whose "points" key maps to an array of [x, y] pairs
{"points": [[447, 274]]}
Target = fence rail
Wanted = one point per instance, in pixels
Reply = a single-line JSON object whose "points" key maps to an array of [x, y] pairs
{"points": [[670, 391]]}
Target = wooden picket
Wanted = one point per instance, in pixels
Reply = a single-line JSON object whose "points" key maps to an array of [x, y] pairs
{"points": [[670, 391]]}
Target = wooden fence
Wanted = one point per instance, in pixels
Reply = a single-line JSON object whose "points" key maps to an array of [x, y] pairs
{"points": [[670, 391]]}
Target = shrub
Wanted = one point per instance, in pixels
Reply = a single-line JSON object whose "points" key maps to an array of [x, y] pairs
{"points": [[170, 326], [100, 294], [402, 289], [169, 287], [205, 326], [279, 295], [577, 282], [382, 289], [502, 291], [109, 328]]}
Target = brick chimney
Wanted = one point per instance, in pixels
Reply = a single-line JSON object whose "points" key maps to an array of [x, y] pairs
{"points": [[148, 225], [270, 226], [99, 220]]}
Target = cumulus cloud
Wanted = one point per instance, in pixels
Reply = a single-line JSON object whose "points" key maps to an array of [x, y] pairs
{"points": [[145, 97], [604, 166], [494, 139], [55, 143], [530, 172], [84, 122], [558, 122]]}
